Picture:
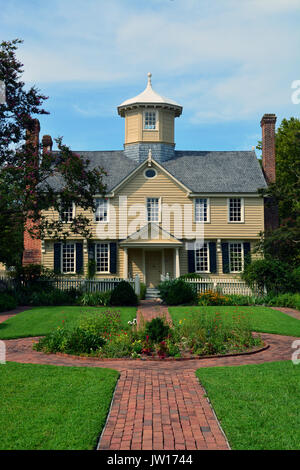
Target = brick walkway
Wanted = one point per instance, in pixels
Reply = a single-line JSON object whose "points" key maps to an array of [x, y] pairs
{"points": [[158, 405], [150, 309]]}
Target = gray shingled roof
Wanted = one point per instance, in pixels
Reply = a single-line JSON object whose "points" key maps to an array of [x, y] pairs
{"points": [[217, 172], [201, 172]]}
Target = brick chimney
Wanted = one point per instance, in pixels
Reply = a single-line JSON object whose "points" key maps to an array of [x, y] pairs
{"points": [[32, 246], [269, 168], [268, 147], [47, 143]]}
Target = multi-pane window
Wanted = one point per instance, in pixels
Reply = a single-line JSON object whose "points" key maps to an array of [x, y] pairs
{"points": [[202, 259], [153, 209], [68, 258], [150, 120], [102, 257], [101, 214], [67, 212], [201, 210], [235, 210], [236, 257]]}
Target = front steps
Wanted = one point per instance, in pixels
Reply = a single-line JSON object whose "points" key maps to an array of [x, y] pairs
{"points": [[152, 293]]}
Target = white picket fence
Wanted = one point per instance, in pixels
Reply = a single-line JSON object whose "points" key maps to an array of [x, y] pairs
{"points": [[224, 286], [87, 285]]}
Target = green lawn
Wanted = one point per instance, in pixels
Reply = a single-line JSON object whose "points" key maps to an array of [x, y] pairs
{"points": [[50, 407], [41, 320], [257, 405], [262, 319]]}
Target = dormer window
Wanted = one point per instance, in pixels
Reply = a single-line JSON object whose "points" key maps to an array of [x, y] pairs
{"points": [[150, 120]]}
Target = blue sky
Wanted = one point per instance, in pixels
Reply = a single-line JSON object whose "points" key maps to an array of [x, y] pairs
{"points": [[227, 62]]}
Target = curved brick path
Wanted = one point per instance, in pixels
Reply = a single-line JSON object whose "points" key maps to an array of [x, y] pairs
{"points": [[158, 405]]}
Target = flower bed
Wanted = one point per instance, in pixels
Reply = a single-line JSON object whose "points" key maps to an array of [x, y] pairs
{"points": [[101, 335]]}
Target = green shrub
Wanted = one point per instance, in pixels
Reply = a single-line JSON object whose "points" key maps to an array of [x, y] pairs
{"points": [[143, 288], [272, 274], [7, 302], [284, 300], [205, 334], [157, 330], [74, 341], [191, 276], [54, 297], [96, 298], [124, 295], [177, 292]]}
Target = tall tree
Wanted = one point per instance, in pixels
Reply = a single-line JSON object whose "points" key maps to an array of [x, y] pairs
{"points": [[284, 242], [32, 181]]}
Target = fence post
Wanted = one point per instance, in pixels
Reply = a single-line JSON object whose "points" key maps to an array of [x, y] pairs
{"points": [[137, 285]]}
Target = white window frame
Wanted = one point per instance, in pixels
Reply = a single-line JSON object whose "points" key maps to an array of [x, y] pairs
{"points": [[208, 259], [242, 211], [159, 209], [234, 242], [108, 258], [95, 213], [73, 215], [62, 258], [207, 212], [151, 110]]}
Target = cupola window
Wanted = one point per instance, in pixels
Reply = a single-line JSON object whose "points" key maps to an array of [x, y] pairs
{"points": [[150, 120]]}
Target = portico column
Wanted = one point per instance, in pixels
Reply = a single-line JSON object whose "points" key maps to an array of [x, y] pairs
{"points": [[163, 263], [177, 263], [125, 269]]}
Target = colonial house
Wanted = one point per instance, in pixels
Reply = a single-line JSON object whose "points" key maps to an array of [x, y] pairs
{"points": [[160, 200]]}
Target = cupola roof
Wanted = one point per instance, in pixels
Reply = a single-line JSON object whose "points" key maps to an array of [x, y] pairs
{"points": [[149, 97]]}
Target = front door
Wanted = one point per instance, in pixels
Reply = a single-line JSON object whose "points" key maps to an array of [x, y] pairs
{"points": [[153, 268]]}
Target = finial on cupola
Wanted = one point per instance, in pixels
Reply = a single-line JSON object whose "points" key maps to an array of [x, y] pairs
{"points": [[149, 79]]}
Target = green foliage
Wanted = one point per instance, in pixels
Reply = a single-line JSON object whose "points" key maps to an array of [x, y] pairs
{"points": [[54, 297], [143, 288], [123, 294], [74, 341], [285, 300], [96, 298], [157, 330], [177, 292], [7, 302], [284, 242], [273, 274], [191, 276], [104, 323], [213, 334], [91, 268], [23, 165]]}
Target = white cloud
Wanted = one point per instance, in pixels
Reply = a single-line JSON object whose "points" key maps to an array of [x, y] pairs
{"points": [[222, 60]]}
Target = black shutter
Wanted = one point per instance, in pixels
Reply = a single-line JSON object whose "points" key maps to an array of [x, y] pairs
{"points": [[191, 261], [79, 258], [247, 254], [213, 257], [225, 258], [113, 258], [57, 257]]}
